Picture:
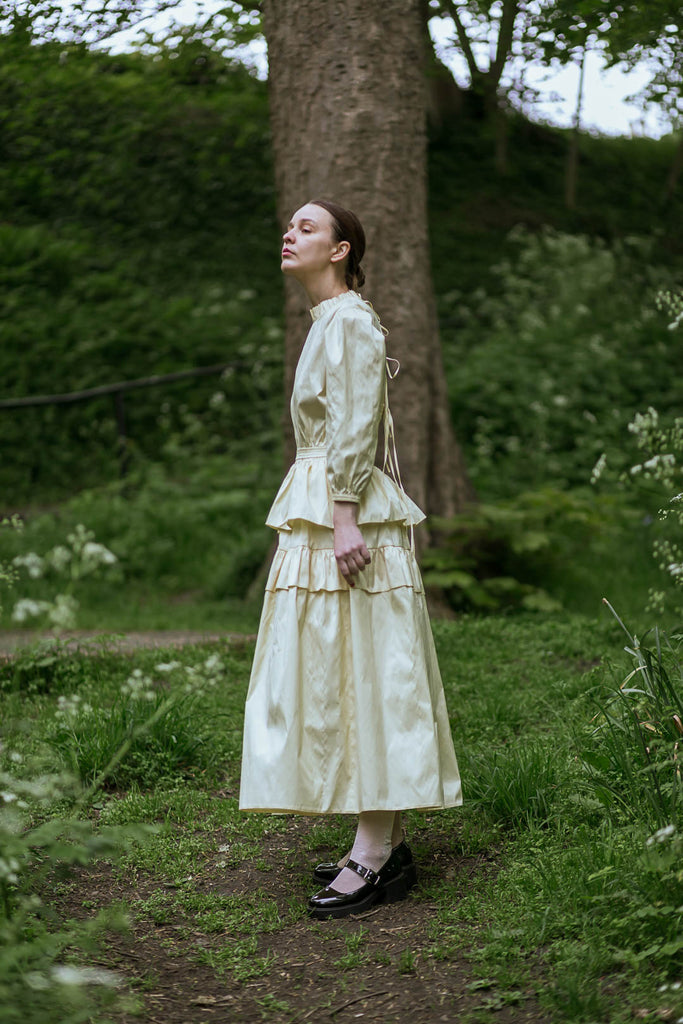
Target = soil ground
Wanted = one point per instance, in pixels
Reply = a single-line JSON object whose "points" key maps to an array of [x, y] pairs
{"points": [[310, 975], [12, 641]]}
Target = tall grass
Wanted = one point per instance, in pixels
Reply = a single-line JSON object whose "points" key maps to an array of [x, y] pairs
{"points": [[637, 756]]}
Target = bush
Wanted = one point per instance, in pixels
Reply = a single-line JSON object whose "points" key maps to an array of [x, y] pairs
{"points": [[504, 555], [551, 363]]}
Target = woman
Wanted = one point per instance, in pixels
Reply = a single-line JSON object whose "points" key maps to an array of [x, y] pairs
{"points": [[345, 711]]}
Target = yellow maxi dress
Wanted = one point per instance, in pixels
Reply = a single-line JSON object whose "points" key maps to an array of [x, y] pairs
{"points": [[345, 710]]}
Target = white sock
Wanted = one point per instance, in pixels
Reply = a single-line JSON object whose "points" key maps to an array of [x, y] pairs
{"points": [[397, 837], [371, 848]]}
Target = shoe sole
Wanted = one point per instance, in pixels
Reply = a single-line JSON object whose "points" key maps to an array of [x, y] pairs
{"points": [[392, 892]]}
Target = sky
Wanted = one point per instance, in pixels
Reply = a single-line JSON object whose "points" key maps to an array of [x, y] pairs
{"points": [[605, 106]]}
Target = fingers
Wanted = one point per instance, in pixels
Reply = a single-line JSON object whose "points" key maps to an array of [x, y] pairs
{"points": [[352, 562]]}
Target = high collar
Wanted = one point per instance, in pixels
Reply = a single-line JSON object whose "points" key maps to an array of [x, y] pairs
{"points": [[327, 305]]}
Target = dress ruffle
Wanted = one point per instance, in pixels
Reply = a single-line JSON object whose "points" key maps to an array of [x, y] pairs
{"points": [[314, 569], [304, 494]]}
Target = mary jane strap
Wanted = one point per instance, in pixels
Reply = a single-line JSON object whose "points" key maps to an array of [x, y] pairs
{"points": [[367, 873]]}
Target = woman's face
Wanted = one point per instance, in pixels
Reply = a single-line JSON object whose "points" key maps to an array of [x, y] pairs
{"points": [[308, 244]]}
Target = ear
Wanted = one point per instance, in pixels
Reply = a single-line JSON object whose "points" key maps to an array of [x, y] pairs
{"points": [[341, 251]]}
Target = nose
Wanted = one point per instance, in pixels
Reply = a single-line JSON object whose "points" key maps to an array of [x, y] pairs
{"points": [[287, 237]]}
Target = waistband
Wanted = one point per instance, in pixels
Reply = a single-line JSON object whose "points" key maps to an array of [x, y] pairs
{"points": [[318, 451]]}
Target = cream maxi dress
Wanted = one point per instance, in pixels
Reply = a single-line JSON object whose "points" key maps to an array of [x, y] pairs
{"points": [[345, 710]]}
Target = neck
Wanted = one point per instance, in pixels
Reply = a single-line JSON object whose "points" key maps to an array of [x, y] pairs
{"points": [[324, 286]]}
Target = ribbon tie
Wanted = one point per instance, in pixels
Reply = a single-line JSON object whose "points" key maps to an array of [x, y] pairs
{"points": [[390, 456]]}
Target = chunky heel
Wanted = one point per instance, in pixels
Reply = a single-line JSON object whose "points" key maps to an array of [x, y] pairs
{"points": [[395, 890], [410, 876]]}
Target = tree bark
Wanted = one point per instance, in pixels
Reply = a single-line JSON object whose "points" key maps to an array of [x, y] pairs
{"points": [[347, 101]]}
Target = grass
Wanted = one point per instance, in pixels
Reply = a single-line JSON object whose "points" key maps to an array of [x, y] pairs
{"points": [[536, 889]]}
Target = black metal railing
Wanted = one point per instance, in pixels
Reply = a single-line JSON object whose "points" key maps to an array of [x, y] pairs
{"points": [[117, 391]]}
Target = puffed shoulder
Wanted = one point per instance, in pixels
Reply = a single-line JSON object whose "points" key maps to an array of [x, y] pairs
{"points": [[352, 331]]}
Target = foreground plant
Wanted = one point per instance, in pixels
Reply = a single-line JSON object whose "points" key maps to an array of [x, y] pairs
{"points": [[150, 730], [638, 753], [39, 978]]}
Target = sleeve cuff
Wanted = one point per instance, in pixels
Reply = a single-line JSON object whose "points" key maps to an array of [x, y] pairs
{"points": [[345, 497]]}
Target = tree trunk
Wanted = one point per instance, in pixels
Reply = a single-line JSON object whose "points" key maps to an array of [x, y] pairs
{"points": [[674, 171], [445, 99], [347, 101], [571, 173]]}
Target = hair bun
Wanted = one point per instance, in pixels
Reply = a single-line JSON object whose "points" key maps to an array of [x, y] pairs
{"points": [[359, 276]]}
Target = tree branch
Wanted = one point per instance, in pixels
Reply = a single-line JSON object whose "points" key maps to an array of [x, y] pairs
{"points": [[507, 24], [452, 11]]}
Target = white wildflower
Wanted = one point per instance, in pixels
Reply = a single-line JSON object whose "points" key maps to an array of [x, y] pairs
{"points": [[80, 536], [66, 974], [32, 562], [217, 399], [661, 835], [598, 468], [63, 612], [656, 460], [71, 706], [59, 557], [643, 421], [9, 868], [138, 686], [167, 666], [27, 608], [95, 554]]}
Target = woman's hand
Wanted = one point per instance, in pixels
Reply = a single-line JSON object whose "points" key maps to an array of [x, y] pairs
{"points": [[349, 547]]}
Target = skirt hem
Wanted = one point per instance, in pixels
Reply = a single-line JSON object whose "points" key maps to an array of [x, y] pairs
{"points": [[349, 810]]}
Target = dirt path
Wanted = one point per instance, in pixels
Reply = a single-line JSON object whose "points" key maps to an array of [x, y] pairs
{"points": [[13, 641], [377, 968]]}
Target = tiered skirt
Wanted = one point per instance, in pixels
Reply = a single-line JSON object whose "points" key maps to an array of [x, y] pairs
{"points": [[345, 710]]}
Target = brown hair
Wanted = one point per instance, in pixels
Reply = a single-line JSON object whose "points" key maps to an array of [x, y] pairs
{"points": [[347, 228]]}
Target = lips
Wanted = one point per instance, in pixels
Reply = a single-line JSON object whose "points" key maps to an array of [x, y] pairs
{"points": [[287, 252]]}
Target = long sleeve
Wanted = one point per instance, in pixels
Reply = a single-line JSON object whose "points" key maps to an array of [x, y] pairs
{"points": [[355, 367]]}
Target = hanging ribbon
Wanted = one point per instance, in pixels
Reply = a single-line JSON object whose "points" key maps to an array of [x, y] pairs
{"points": [[390, 456]]}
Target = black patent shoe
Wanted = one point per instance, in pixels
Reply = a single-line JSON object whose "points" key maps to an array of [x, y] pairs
{"points": [[384, 886], [327, 873]]}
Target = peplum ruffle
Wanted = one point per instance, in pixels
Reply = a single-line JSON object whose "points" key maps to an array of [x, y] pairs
{"points": [[304, 494]]}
